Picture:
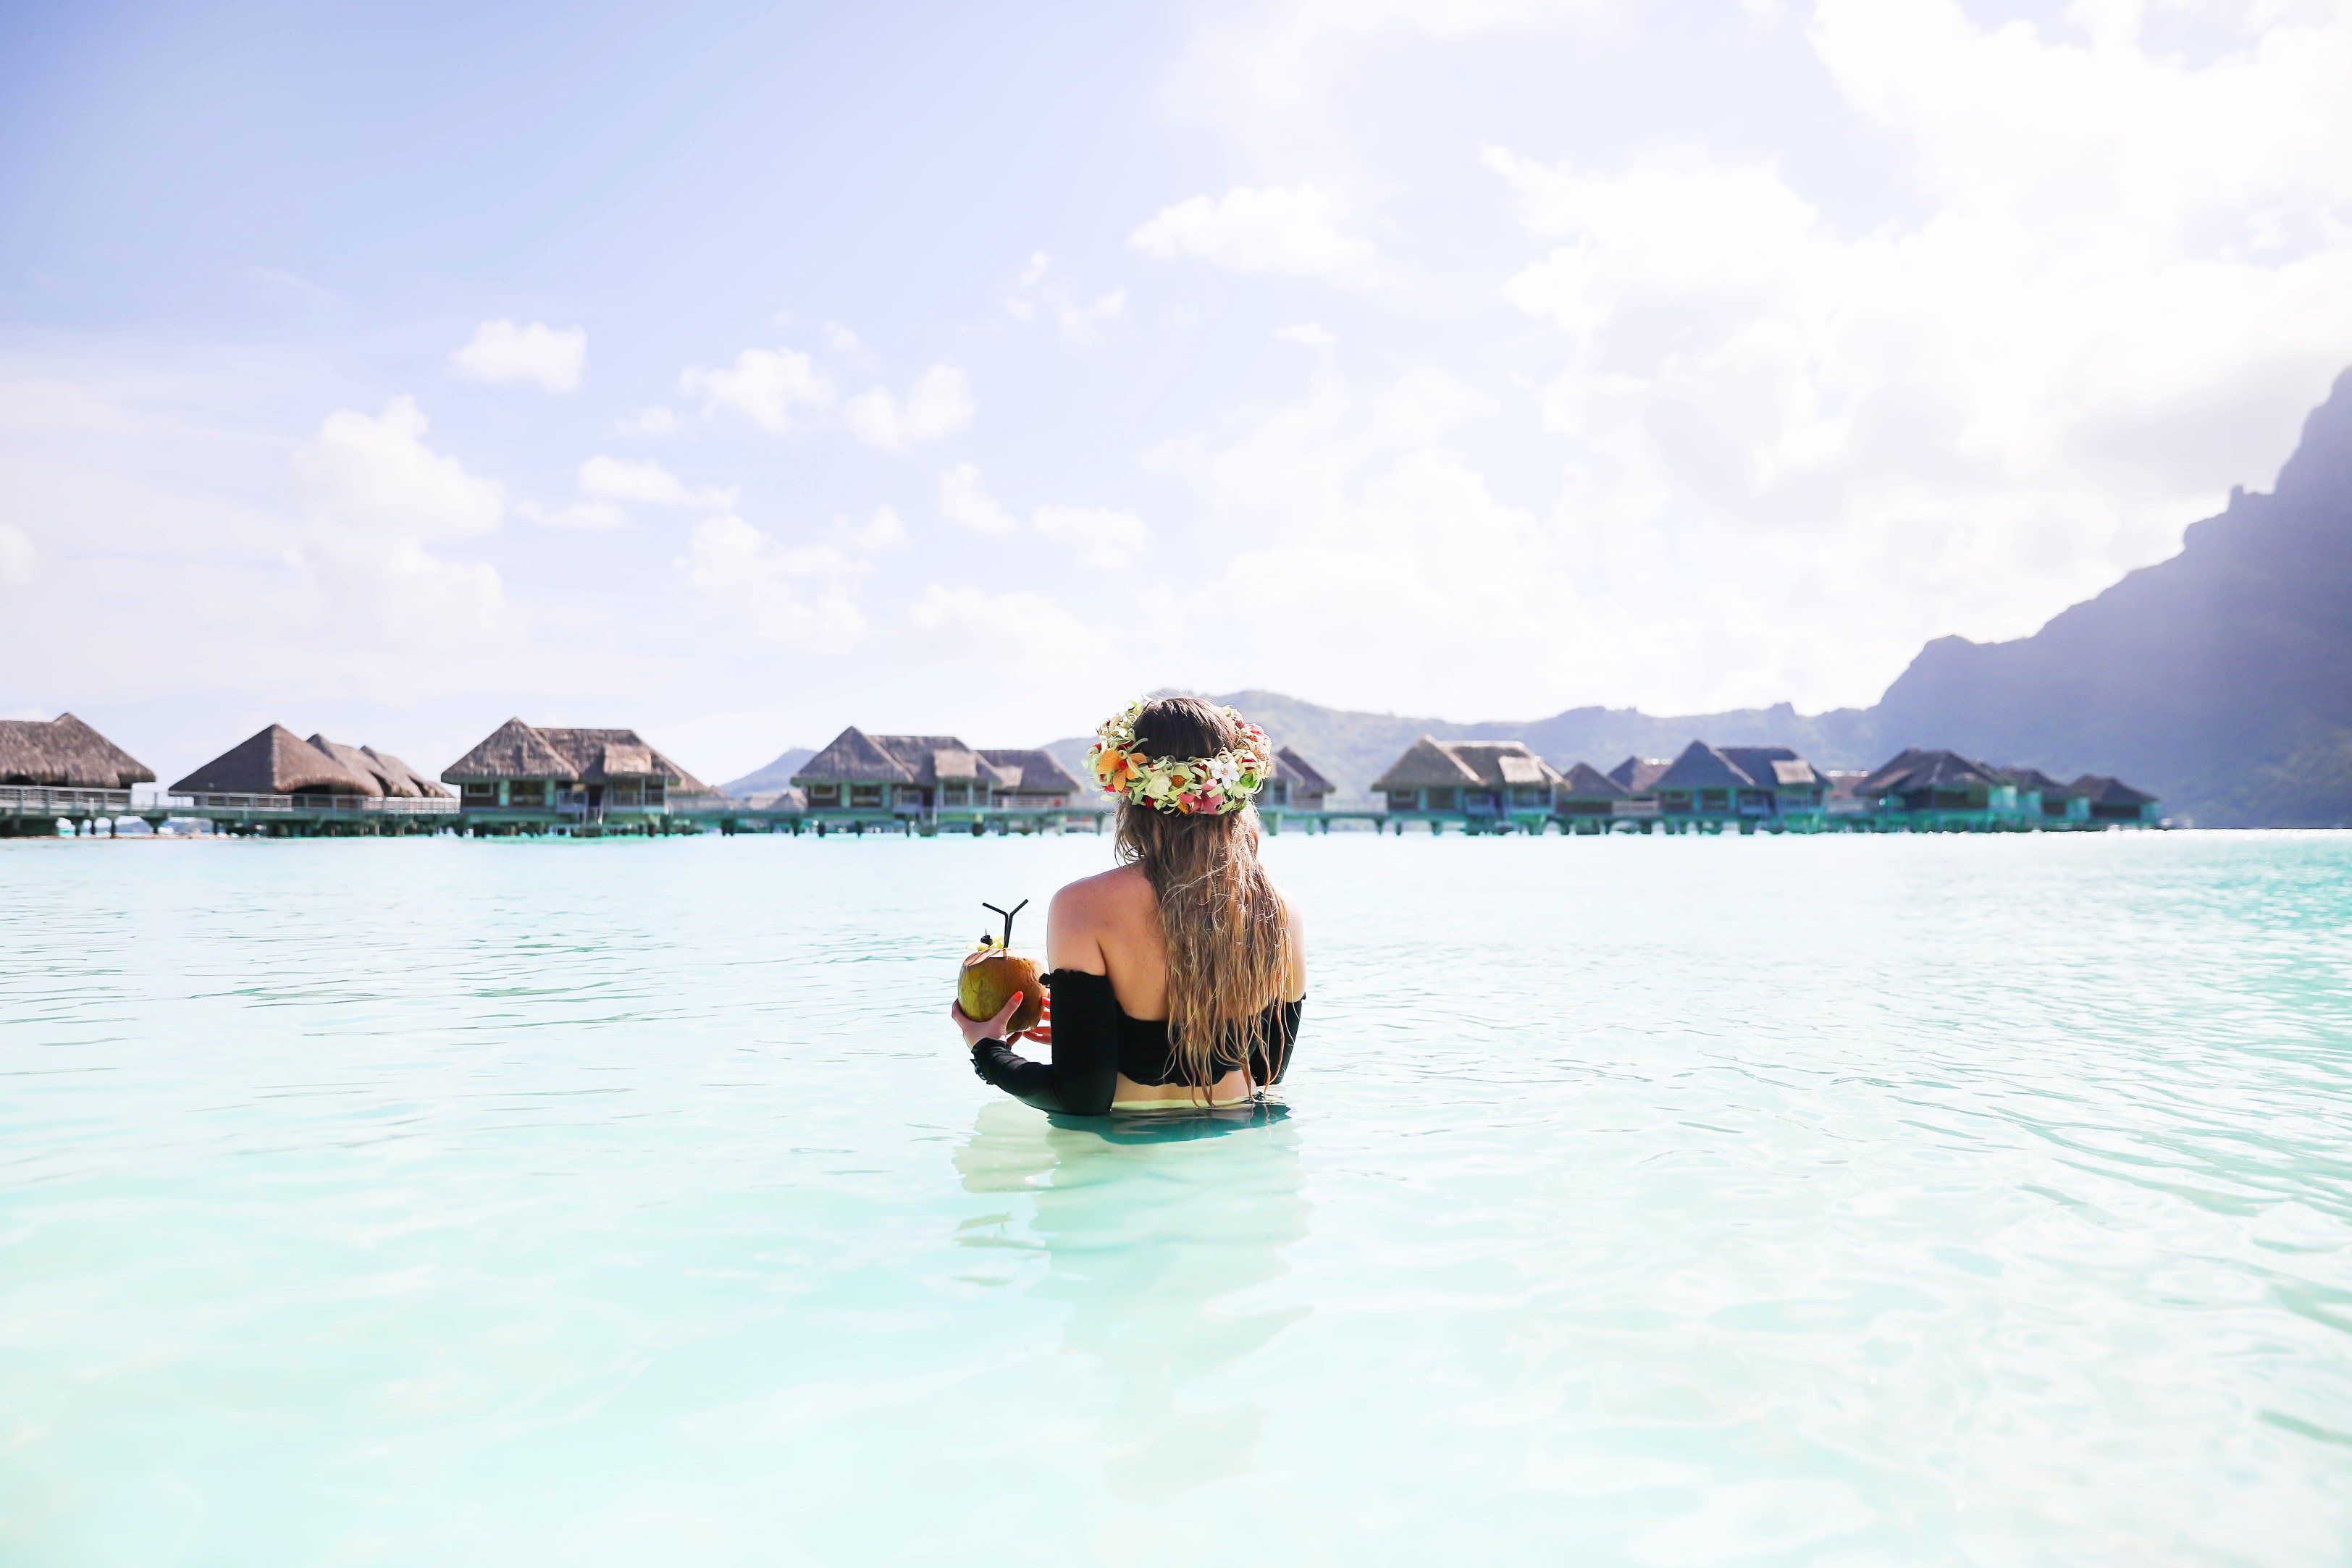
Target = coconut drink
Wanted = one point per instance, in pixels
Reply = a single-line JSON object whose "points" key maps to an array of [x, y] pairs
{"points": [[993, 972]]}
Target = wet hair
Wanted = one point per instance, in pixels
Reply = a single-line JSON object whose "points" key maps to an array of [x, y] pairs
{"points": [[1226, 928]]}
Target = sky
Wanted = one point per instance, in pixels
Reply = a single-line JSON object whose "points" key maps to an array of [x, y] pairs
{"points": [[737, 373]]}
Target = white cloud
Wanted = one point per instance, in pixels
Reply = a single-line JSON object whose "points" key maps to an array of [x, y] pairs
{"points": [[965, 502], [1965, 418], [773, 388], [654, 420], [1103, 539], [787, 595], [376, 495], [1098, 536], [1295, 231], [16, 556], [408, 592], [884, 530], [647, 480], [1355, 531], [1011, 628], [938, 404], [1081, 321], [843, 341], [581, 516], [501, 351], [377, 475]]}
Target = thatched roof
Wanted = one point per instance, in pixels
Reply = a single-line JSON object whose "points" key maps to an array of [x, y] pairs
{"points": [[517, 750], [1586, 782], [1430, 763], [1300, 773], [1030, 771], [1770, 765], [854, 757], [63, 753], [1705, 767], [1636, 775], [1426, 763], [1918, 769], [2105, 791], [2034, 779], [277, 761], [1895, 767], [394, 777], [1702, 766]]}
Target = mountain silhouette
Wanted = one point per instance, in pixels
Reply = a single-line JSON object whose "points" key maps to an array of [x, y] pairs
{"points": [[2219, 679]]}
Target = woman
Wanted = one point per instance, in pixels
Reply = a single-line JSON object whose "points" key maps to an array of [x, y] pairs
{"points": [[1176, 978]]}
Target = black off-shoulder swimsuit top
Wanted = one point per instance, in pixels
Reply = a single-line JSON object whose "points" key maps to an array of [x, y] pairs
{"points": [[1094, 1043]]}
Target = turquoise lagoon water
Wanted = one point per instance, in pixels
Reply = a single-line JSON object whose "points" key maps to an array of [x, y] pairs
{"points": [[1841, 1201]]}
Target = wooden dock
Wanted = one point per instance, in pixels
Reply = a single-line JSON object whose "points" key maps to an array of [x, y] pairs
{"points": [[731, 816], [31, 810], [34, 811]]}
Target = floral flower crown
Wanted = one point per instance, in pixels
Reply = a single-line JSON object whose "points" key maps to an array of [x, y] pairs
{"points": [[1195, 786]]}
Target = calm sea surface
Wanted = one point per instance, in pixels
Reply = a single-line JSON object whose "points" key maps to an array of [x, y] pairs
{"points": [[1838, 1201]]}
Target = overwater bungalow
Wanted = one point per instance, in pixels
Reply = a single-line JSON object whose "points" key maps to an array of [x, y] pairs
{"points": [[529, 780], [1841, 801], [925, 782], [1940, 791], [2113, 802], [1485, 785], [1295, 787], [62, 770], [1747, 787], [279, 783], [1638, 775], [1588, 800], [2042, 800]]}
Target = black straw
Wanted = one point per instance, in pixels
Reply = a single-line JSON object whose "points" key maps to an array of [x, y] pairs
{"points": [[1008, 914]]}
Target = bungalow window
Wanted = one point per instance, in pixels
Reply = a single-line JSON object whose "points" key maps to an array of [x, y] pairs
{"points": [[1404, 801], [955, 794], [1531, 797], [1441, 800], [484, 793], [1715, 800], [1277, 794], [824, 797], [526, 793], [909, 796], [621, 795], [656, 791], [1951, 799], [867, 797]]}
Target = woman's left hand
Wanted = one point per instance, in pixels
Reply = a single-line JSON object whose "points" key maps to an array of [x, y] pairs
{"points": [[994, 1028]]}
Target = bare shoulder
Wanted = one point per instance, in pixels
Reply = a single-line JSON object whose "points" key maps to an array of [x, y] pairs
{"points": [[1118, 891], [1084, 912]]}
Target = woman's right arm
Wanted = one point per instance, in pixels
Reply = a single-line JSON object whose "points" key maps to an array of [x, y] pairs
{"points": [[1083, 1077]]}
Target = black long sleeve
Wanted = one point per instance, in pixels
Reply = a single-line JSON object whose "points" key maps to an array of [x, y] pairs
{"points": [[1271, 1059], [1084, 1073]]}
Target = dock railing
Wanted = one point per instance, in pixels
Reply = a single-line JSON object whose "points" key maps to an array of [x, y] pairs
{"points": [[38, 801], [309, 805]]}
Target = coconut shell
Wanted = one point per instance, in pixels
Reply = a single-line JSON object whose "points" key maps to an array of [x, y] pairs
{"points": [[988, 981]]}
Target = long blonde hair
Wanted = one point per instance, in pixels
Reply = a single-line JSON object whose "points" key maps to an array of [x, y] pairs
{"points": [[1226, 928]]}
